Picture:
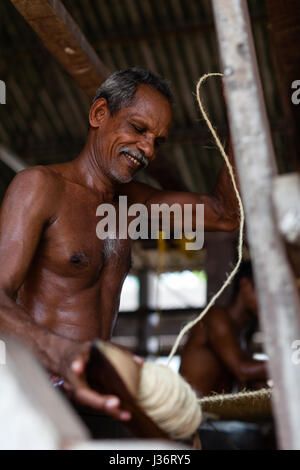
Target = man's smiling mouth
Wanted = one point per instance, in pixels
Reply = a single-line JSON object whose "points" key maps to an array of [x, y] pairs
{"points": [[132, 159], [136, 159]]}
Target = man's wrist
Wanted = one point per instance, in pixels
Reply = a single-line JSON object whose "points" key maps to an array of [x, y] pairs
{"points": [[54, 351]]}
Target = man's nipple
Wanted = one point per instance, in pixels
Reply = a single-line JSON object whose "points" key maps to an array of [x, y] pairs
{"points": [[79, 259]]}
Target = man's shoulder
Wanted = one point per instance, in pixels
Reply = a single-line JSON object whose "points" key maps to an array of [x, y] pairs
{"points": [[37, 179], [35, 192], [37, 189]]}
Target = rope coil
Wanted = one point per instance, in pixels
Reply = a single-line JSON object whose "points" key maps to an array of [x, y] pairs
{"points": [[169, 400]]}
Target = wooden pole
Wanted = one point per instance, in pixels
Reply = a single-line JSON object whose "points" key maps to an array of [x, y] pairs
{"points": [[253, 149]]}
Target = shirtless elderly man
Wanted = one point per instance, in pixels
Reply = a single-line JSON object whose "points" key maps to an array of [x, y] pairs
{"points": [[59, 286]]}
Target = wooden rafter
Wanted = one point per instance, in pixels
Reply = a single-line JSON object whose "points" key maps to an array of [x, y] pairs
{"points": [[14, 162], [66, 42]]}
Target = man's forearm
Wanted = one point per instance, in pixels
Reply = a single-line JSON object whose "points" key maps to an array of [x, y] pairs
{"points": [[252, 370], [224, 191], [48, 347]]}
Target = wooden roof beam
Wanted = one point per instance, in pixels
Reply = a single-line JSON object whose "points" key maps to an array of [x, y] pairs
{"points": [[64, 39], [14, 162]]}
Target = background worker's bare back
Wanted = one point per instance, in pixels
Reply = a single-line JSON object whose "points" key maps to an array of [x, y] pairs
{"points": [[201, 366], [213, 359]]}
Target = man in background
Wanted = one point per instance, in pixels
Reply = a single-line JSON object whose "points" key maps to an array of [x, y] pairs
{"points": [[217, 356]]}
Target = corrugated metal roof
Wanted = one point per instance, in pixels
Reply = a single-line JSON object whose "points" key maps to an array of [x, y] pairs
{"points": [[45, 118]]}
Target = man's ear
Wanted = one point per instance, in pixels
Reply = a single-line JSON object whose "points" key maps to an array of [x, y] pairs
{"points": [[98, 112]]}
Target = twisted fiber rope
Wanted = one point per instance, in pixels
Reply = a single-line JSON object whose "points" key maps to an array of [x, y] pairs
{"points": [[246, 405], [264, 393], [242, 220], [164, 395]]}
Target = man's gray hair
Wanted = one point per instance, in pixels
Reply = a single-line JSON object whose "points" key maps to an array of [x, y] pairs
{"points": [[119, 89]]}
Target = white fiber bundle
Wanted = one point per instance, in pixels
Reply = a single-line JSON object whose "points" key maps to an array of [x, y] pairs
{"points": [[168, 400]]}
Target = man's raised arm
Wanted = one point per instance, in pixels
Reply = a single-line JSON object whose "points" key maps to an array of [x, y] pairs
{"points": [[221, 210]]}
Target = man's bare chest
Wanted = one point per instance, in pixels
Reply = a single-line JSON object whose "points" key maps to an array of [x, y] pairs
{"points": [[70, 245]]}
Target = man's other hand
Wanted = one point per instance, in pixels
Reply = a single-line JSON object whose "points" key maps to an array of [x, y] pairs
{"points": [[79, 391]]}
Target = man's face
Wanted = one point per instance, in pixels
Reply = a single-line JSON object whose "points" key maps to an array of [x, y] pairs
{"points": [[128, 141]]}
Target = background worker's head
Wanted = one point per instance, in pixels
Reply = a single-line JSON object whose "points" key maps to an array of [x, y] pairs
{"points": [[244, 287]]}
